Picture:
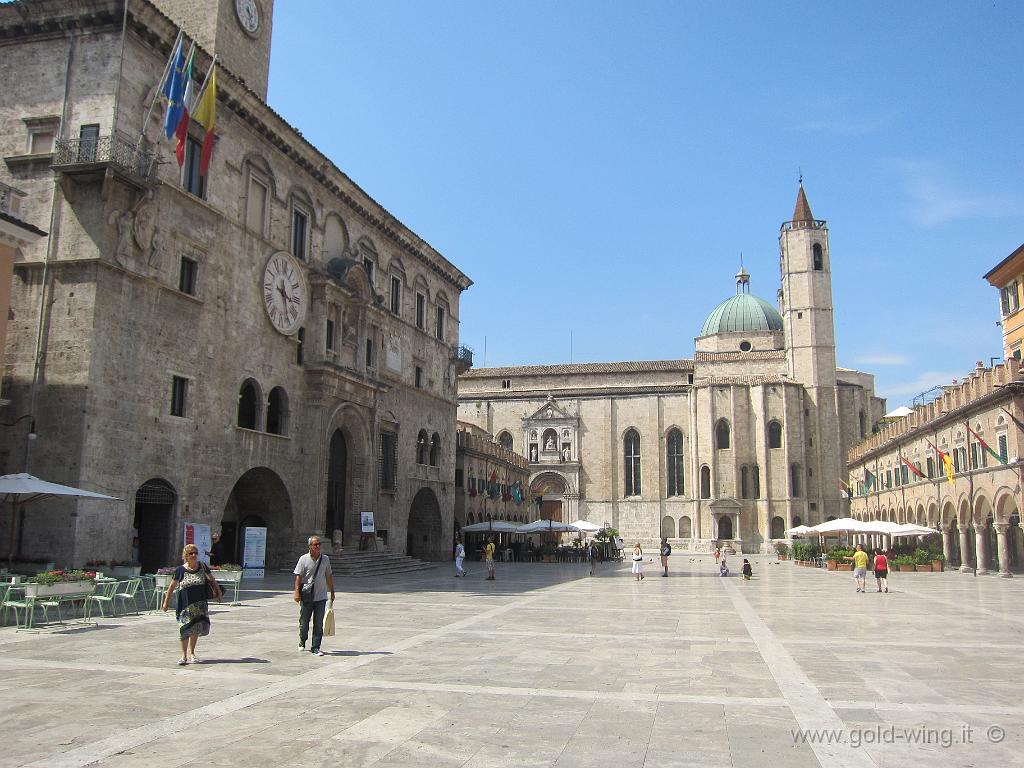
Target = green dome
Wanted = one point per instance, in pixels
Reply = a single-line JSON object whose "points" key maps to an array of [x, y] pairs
{"points": [[741, 313]]}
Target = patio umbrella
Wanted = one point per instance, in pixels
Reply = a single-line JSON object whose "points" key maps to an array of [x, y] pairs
{"points": [[799, 530], [586, 526], [491, 526], [547, 526], [23, 488]]}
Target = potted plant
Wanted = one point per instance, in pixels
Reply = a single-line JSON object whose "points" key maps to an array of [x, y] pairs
{"points": [[124, 569], [782, 550], [922, 561], [56, 583], [547, 552], [837, 559], [938, 560], [905, 563], [227, 572], [164, 576]]}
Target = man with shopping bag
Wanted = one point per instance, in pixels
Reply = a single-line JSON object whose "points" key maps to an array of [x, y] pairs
{"points": [[313, 580]]}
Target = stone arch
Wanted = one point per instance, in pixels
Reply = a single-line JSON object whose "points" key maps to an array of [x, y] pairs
{"points": [[668, 527], [155, 509], [422, 447], [948, 517], [335, 237], [505, 440], [250, 400], [933, 519], [423, 531], [778, 528], [435, 450], [1005, 505], [260, 498], [922, 518], [278, 411], [359, 460], [685, 527]]}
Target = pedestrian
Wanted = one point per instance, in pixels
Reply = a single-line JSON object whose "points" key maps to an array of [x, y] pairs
{"points": [[195, 585], [882, 571], [860, 566], [489, 559], [718, 554], [216, 553], [592, 556], [723, 567], [313, 580], [747, 570], [666, 550], [638, 561], [460, 557]]}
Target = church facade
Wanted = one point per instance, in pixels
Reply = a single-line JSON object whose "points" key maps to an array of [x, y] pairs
{"points": [[259, 345], [730, 448]]}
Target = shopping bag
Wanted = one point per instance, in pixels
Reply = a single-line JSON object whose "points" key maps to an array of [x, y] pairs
{"points": [[329, 622]]}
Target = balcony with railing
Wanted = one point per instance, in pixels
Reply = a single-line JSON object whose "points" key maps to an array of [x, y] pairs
{"points": [[116, 152], [463, 358]]}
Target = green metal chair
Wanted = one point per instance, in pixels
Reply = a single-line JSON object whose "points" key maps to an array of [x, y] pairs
{"points": [[104, 595], [130, 591]]}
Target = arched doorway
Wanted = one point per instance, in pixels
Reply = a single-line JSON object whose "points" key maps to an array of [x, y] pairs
{"points": [[550, 489], [725, 527], [337, 476], [154, 525], [778, 528], [259, 498], [423, 533]]}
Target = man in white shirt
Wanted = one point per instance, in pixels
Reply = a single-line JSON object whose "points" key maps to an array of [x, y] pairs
{"points": [[313, 571]]}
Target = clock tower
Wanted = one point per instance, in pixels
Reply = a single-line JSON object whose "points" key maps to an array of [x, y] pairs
{"points": [[238, 31]]}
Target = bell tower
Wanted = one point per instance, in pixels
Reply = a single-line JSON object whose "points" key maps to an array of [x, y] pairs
{"points": [[238, 31], [807, 321]]}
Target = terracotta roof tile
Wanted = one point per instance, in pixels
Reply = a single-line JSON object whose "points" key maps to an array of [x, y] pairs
{"points": [[638, 366]]}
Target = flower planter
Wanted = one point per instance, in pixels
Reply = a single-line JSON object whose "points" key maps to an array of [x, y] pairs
{"points": [[230, 576], [549, 558], [906, 568], [123, 571], [937, 566], [163, 580], [923, 568], [831, 565], [58, 589], [844, 566]]}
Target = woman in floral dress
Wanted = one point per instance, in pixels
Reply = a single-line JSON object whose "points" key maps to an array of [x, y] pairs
{"points": [[190, 580]]}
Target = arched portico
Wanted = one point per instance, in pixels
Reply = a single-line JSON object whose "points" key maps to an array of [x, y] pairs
{"points": [[156, 526], [259, 499], [424, 537]]}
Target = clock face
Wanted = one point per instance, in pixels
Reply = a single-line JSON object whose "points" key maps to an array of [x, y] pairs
{"points": [[248, 15], [284, 293]]}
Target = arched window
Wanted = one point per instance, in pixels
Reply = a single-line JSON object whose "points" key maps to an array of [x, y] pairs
{"points": [[550, 440], [774, 434], [505, 441], [794, 480], [863, 425], [674, 453], [705, 482], [435, 450], [755, 477], [422, 447], [631, 462], [248, 405], [722, 434], [685, 528], [744, 482], [797, 521], [277, 411], [778, 528], [668, 527], [819, 259]]}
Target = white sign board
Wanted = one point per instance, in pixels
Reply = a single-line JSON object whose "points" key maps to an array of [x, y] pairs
{"points": [[393, 353], [254, 553], [199, 534], [366, 522]]}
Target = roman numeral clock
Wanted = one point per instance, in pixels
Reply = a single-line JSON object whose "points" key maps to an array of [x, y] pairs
{"points": [[284, 293]]}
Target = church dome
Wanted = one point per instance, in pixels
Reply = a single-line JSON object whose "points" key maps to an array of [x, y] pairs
{"points": [[743, 312]]}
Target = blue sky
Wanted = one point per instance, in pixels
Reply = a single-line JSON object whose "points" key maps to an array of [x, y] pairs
{"points": [[597, 168]]}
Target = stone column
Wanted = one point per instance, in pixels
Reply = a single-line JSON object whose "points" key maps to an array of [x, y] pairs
{"points": [[947, 543], [981, 550], [965, 550], [1003, 550]]}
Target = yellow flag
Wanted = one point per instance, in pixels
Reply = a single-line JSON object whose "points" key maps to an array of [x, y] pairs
{"points": [[206, 115]]}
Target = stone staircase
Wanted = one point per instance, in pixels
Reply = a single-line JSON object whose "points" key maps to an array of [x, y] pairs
{"points": [[383, 562]]}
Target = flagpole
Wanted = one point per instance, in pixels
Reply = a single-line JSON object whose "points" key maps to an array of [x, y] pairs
{"points": [[160, 85], [206, 80]]}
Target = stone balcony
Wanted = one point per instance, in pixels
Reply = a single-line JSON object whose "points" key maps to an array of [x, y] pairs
{"points": [[112, 153]]}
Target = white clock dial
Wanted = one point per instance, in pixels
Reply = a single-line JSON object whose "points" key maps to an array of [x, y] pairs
{"points": [[248, 15], [284, 293]]}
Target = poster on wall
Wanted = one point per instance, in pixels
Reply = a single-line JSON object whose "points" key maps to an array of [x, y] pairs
{"points": [[199, 534], [366, 522], [254, 553]]}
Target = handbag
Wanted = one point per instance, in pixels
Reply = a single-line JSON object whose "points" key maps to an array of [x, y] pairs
{"points": [[329, 622], [214, 591], [306, 592]]}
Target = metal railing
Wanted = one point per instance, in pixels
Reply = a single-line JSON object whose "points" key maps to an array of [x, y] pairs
{"points": [[114, 150], [464, 355]]}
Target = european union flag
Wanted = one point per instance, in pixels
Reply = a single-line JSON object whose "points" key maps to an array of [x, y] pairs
{"points": [[174, 90]]}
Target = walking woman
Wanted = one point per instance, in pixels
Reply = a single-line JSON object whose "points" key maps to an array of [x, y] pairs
{"points": [[192, 580], [638, 562]]}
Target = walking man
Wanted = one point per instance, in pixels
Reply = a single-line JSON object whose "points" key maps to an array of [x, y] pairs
{"points": [[860, 566], [489, 559], [313, 580], [460, 557], [666, 550], [592, 556]]}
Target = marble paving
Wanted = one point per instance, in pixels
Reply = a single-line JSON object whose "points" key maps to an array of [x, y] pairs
{"points": [[547, 666]]}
